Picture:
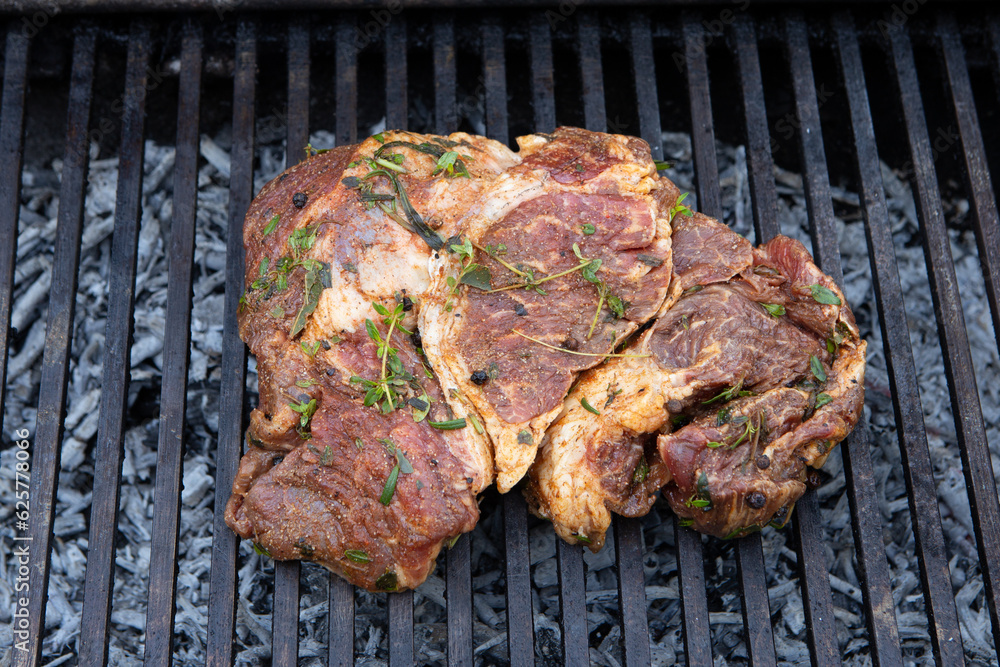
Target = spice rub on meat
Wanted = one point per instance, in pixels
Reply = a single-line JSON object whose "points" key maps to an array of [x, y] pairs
{"points": [[343, 465], [564, 257], [752, 372]]}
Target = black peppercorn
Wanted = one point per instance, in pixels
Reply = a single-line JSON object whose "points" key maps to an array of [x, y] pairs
{"points": [[763, 461], [479, 377], [299, 199], [407, 304], [756, 499]]}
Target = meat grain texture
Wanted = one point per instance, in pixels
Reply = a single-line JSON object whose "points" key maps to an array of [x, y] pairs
{"points": [[509, 280]]}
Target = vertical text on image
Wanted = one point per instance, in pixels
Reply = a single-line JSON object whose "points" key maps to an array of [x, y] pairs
{"points": [[21, 554]]}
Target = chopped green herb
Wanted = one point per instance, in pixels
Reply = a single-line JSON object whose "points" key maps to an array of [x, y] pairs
{"points": [[327, 457], [379, 138], [448, 425], [305, 383], [685, 523], [359, 443], [261, 550], [475, 423], [714, 445], [684, 322], [357, 556], [452, 166], [824, 295], [816, 366], [822, 399], [306, 410], [310, 348], [583, 538], [650, 260], [387, 582], [452, 541], [263, 266], [390, 486], [524, 437], [588, 229], [698, 502], [661, 165], [588, 407], [612, 394], [775, 309], [680, 207], [272, 224], [728, 394], [277, 312], [692, 290], [641, 471]]}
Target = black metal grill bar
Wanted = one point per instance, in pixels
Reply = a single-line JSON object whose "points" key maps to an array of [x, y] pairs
{"points": [[347, 81], [980, 483], [400, 604], [628, 532], [972, 437], [983, 200], [749, 552], [817, 598], [11, 151], [176, 345], [924, 512], [873, 568], [445, 108], [341, 597], [589, 53], [118, 343], [690, 558], [225, 546], [520, 625], [543, 83], [58, 336], [395, 74], [285, 618]]}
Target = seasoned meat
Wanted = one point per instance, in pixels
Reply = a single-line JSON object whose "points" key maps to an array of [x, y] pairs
{"points": [[565, 256], [343, 466], [745, 378]]}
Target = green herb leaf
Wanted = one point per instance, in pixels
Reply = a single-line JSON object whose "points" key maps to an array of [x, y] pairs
{"points": [[641, 471], [685, 523], [305, 383], [524, 437], [824, 295], [390, 486], [714, 445], [661, 165], [387, 582], [650, 260], [816, 366], [448, 425], [271, 225], [379, 137], [309, 349], [357, 556], [775, 309], [822, 399], [588, 229], [277, 312], [261, 550], [359, 443], [617, 306], [588, 407], [583, 538], [327, 457], [305, 410], [476, 275]]}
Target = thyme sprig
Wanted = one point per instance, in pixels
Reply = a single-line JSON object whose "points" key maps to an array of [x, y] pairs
{"points": [[579, 354], [393, 376]]}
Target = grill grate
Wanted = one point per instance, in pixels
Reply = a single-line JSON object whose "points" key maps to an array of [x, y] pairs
{"points": [[647, 38]]}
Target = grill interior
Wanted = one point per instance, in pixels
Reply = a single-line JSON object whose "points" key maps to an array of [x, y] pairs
{"points": [[732, 76]]}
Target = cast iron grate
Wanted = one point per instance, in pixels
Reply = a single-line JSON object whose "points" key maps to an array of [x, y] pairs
{"points": [[480, 40]]}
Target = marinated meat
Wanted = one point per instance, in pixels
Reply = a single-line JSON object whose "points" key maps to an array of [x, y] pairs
{"points": [[343, 466], [753, 370], [566, 255]]}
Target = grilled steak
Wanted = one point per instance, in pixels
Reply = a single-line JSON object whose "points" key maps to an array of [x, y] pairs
{"points": [[567, 254], [752, 371], [343, 466]]}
